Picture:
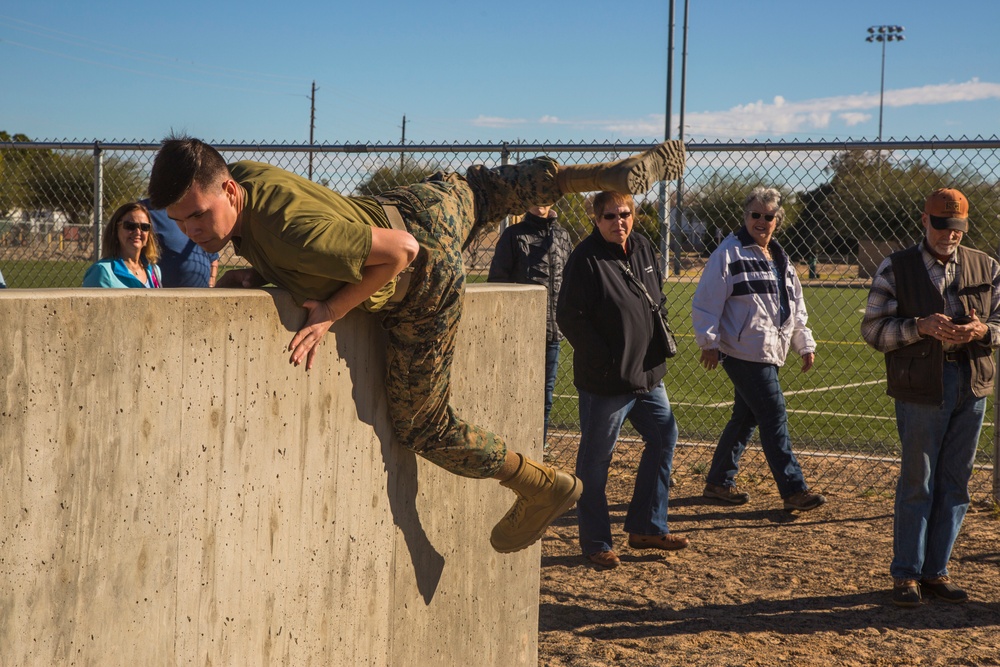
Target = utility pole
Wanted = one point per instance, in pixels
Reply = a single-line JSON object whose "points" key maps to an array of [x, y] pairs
{"points": [[402, 142], [678, 265], [664, 209], [883, 34], [312, 126]]}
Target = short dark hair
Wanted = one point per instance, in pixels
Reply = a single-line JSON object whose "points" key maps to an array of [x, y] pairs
{"points": [[181, 162], [605, 199]]}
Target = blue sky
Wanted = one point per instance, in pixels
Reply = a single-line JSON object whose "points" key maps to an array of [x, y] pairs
{"points": [[467, 71]]}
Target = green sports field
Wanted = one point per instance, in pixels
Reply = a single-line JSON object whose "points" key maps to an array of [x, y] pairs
{"points": [[838, 406], [34, 273]]}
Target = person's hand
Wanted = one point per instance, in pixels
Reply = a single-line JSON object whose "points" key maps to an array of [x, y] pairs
{"points": [[974, 329], [710, 358], [808, 359], [307, 340], [241, 278], [940, 327]]}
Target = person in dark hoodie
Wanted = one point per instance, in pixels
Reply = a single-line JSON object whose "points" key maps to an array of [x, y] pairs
{"points": [[618, 366], [534, 252]]}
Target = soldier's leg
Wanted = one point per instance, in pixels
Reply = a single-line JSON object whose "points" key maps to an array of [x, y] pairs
{"points": [[422, 331], [512, 189], [636, 174]]}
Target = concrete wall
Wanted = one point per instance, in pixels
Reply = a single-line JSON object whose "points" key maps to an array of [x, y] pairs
{"points": [[174, 492]]}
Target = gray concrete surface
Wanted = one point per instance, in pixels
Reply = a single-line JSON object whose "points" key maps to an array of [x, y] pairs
{"points": [[175, 493]]}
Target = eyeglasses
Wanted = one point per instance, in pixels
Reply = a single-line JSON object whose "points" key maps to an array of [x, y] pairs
{"points": [[757, 216], [130, 226], [614, 216]]}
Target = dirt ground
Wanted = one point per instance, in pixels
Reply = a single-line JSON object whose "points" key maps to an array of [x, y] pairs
{"points": [[761, 586]]}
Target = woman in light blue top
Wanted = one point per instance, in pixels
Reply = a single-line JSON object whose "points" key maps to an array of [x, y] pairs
{"points": [[128, 251]]}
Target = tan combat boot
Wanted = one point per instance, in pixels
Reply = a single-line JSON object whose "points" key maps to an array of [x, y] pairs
{"points": [[543, 493], [636, 174]]}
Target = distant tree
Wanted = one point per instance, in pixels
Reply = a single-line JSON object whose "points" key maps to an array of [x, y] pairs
{"points": [[64, 182], [648, 221], [718, 204], [576, 214], [808, 237], [13, 163], [874, 196], [393, 176]]}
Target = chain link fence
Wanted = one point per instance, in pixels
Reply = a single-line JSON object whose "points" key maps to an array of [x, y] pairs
{"points": [[848, 205]]}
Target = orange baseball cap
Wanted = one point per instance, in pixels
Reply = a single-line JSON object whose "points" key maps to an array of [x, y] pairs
{"points": [[948, 209]]}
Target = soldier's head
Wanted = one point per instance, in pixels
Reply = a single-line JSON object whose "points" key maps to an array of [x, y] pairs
{"points": [[180, 163], [192, 182]]}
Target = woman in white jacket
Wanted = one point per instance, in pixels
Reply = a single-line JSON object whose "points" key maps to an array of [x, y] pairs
{"points": [[747, 311]]}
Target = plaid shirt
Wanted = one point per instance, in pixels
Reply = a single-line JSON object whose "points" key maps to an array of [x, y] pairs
{"points": [[884, 331]]}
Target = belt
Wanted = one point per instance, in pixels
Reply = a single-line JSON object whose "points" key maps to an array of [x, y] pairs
{"points": [[956, 356], [396, 222]]}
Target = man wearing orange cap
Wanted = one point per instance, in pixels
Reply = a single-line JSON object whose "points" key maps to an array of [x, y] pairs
{"points": [[934, 311]]}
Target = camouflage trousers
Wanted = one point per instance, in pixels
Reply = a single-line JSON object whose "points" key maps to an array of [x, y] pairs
{"points": [[444, 213]]}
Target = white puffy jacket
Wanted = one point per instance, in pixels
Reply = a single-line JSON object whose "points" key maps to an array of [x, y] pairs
{"points": [[736, 307]]}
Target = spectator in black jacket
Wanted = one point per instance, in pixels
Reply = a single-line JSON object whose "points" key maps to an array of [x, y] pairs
{"points": [[534, 252], [618, 367]]}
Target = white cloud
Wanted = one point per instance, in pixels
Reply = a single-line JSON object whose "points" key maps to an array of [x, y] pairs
{"points": [[498, 122], [777, 117], [853, 118]]}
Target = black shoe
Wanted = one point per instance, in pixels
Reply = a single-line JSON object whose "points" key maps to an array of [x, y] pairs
{"points": [[803, 500], [729, 494], [943, 589], [906, 593]]}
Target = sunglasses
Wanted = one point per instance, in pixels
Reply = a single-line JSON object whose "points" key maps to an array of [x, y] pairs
{"points": [[130, 226], [614, 216], [757, 216]]}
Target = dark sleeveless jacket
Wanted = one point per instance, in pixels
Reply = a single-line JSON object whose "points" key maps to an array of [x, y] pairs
{"points": [[915, 373]]}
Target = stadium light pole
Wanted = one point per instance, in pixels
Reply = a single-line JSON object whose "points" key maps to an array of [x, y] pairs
{"points": [[883, 34]]}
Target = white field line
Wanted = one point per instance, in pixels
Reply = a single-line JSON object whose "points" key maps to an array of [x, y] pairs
{"points": [[799, 453], [802, 391], [822, 413]]}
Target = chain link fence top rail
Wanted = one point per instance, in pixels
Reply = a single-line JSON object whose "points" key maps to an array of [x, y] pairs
{"points": [[848, 205]]}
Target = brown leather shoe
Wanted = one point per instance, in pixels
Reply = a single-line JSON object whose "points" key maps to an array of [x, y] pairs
{"points": [[804, 501], [729, 494], [605, 559], [668, 542]]}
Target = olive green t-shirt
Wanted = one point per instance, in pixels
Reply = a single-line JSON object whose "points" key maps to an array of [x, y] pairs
{"points": [[304, 237]]}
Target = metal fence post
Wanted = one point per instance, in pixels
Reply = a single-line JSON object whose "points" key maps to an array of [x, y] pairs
{"points": [[504, 160], [996, 437], [98, 197], [664, 231]]}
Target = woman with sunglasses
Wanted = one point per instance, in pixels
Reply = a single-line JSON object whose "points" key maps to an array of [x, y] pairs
{"points": [[128, 251], [747, 311], [605, 309]]}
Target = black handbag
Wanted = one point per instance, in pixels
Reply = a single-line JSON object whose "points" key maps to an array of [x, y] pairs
{"points": [[660, 324]]}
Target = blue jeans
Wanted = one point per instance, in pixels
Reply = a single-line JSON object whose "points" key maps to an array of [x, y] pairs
{"points": [[932, 494], [601, 419], [551, 370], [758, 403]]}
